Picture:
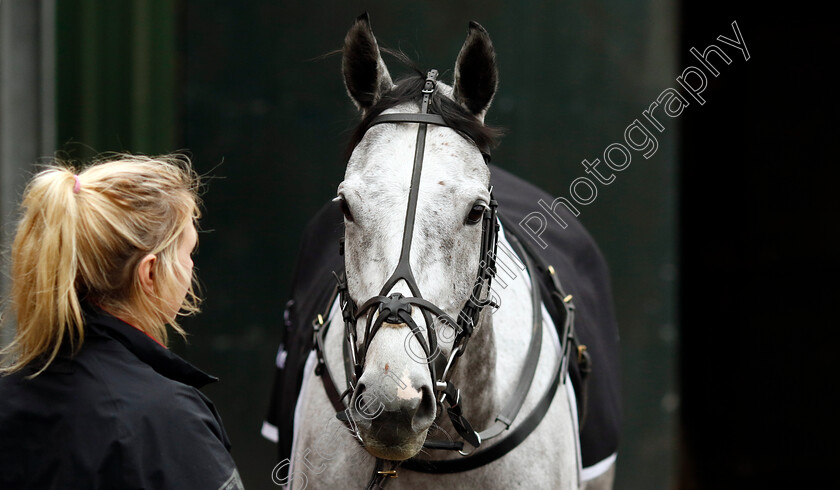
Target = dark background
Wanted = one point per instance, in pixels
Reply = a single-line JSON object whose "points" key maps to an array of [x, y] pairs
{"points": [[759, 255], [722, 245]]}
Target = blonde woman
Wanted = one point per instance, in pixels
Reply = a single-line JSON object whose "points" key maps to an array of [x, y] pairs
{"points": [[90, 397]]}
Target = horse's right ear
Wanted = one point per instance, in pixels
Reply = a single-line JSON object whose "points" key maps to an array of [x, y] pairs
{"points": [[365, 74]]}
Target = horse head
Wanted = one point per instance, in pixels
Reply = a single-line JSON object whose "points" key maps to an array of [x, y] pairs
{"points": [[432, 251]]}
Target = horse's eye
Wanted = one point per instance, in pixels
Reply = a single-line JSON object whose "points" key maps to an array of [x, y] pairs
{"points": [[345, 209], [476, 213]]}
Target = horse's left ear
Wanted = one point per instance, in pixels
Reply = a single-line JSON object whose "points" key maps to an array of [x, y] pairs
{"points": [[476, 76]]}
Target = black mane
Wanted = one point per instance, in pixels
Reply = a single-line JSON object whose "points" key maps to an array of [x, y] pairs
{"points": [[409, 89]]}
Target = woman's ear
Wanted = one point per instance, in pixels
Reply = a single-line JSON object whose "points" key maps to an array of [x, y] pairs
{"points": [[146, 274]]}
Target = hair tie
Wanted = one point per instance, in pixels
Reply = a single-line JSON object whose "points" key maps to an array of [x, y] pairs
{"points": [[78, 185]]}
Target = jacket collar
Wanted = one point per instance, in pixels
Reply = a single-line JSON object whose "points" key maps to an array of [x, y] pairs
{"points": [[159, 358]]}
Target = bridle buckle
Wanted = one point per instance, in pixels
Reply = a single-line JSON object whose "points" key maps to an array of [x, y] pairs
{"points": [[580, 350], [431, 82]]}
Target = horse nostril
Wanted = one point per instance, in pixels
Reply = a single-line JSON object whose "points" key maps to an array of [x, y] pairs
{"points": [[358, 406], [360, 389], [357, 394], [425, 414]]}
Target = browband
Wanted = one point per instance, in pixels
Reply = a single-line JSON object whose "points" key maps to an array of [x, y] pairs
{"points": [[422, 118], [409, 118]]}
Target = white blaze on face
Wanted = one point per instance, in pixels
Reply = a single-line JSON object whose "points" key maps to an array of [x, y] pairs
{"points": [[407, 391]]}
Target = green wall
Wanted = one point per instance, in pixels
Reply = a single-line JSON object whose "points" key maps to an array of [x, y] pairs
{"points": [[116, 76]]}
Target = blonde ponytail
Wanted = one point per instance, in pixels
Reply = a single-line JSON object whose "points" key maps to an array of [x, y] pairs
{"points": [[81, 237], [44, 266]]}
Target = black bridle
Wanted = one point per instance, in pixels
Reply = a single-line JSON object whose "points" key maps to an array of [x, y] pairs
{"points": [[396, 309]]}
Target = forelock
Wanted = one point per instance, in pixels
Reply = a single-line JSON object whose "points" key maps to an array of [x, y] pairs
{"points": [[408, 90]]}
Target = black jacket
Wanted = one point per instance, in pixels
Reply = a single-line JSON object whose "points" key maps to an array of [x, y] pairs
{"points": [[123, 413]]}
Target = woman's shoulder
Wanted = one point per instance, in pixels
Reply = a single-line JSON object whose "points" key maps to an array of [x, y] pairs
{"points": [[137, 388], [102, 380], [118, 415], [164, 423]]}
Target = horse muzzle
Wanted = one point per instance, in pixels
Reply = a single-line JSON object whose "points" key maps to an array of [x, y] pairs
{"points": [[393, 408]]}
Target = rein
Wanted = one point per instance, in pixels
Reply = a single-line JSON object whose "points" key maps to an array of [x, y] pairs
{"points": [[395, 308]]}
